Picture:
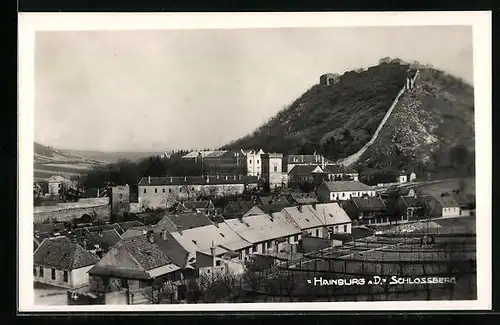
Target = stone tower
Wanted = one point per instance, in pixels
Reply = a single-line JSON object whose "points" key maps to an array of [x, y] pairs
{"points": [[271, 169], [328, 79]]}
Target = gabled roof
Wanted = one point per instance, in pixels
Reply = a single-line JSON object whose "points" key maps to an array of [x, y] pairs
{"points": [[255, 210], [149, 255], [129, 224], [270, 200], [446, 201], [303, 216], [410, 201], [347, 186], [303, 198], [369, 203], [189, 220], [60, 253], [105, 239], [105, 227], [330, 214], [339, 169], [305, 170]]}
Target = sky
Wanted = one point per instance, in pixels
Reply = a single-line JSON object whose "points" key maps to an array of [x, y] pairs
{"points": [[173, 89]]}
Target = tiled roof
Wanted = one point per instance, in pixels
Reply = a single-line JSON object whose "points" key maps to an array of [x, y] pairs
{"points": [[149, 255], [197, 180], [303, 198], [369, 203], [105, 227], [62, 254], [347, 186], [409, 201], [166, 223], [187, 221], [303, 216], [446, 201], [270, 200], [105, 240], [330, 213], [129, 224]]}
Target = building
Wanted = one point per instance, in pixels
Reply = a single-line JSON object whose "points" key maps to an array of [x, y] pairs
{"points": [[410, 207], [56, 184], [297, 198], [343, 190], [220, 161], [328, 79], [120, 201], [265, 232], [161, 192], [306, 173], [407, 177], [216, 261], [206, 207], [367, 210], [305, 218], [336, 220], [97, 242], [304, 160], [340, 173], [443, 205], [272, 170], [140, 261], [60, 262], [253, 162]]}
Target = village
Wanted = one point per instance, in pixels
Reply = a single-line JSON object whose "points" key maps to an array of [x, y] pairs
{"points": [[232, 237]]}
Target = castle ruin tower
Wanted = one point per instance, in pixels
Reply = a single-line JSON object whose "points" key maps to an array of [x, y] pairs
{"points": [[328, 79]]}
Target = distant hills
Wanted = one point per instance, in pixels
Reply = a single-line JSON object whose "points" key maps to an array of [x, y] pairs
{"points": [[339, 119]]}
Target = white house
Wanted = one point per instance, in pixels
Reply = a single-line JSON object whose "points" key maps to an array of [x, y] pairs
{"points": [[60, 262], [343, 190], [254, 162], [333, 217], [304, 217]]}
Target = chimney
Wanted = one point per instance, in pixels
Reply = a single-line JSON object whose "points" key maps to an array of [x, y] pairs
{"points": [[271, 215], [234, 177], [208, 178], [179, 229], [149, 179], [299, 207], [217, 176], [99, 233], [150, 237], [226, 178], [212, 252], [164, 234], [97, 192], [314, 205]]}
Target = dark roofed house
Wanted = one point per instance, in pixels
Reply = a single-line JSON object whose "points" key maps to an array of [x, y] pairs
{"points": [[366, 210], [141, 261], [443, 205], [101, 241], [60, 262], [302, 198], [235, 209], [410, 207], [115, 226], [306, 173], [129, 224], [343, 190], [196, 206], [340, 173], [186, 221]]}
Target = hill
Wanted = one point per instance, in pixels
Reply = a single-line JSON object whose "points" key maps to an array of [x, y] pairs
{"points": [[429, 123]]}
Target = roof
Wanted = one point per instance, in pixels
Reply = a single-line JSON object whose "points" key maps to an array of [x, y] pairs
{"points": [[196, 153], [62, 254], [196, 204], [255, 210], [237, 208], [105, 240], [47, 227], [166, 223], [409, 201], [347, 186], [446, 201], [129, 224], [149, 255], [331, 214], [260, 228], [303, 198], [105, 227], [305, 218], [369, 203], [189, 220], [305, 169], [339, 169], [270, 200], [197, 180]]}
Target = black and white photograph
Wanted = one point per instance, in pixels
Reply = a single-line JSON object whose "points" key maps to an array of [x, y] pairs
{"points": [[244, 161]]}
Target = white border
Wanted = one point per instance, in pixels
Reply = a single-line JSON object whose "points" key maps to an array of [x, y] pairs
{"points": [[481, 22]]}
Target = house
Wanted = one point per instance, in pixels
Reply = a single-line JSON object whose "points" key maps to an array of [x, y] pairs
{"points": [[297, 198], [265, 232], [405, 177], [410, 207], [335, 219], [467, 203], [340, 173], [98, 242], [254, 164], [272, 170], [60, 262], [306, 173], [366, 210], [304, 217], [124, 226], [237, 208], [56, 184], [217, 260], [443, 205], [140, 261], [343, 190], [161, 192], [293, 160]]}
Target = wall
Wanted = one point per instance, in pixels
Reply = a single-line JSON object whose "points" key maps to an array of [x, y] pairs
{"points": [[451, 212], [103, 213], [339, 229], [354, 157], [76, 278], [347, 195], [272, 170], [116, 298], [313, 244], [254, 164]]}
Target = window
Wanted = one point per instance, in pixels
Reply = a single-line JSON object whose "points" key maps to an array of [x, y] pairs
{"points": [[275, 168], [120, 196], [258, 161], [343, 194], [163, 190], [41, 272], [156, 190], [250, 160], [336, 228], [144, 191], [254, 248], [317, 232], [296, 238], [169, 190], [345, 228], [217, 263], [53, 274], [34, 271], [65, 276], [264, 247]]}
